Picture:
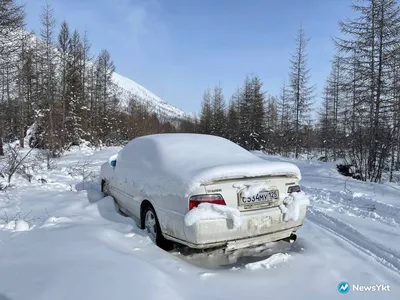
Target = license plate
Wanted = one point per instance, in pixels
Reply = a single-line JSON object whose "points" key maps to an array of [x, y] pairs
{"points": [[261, 198]]}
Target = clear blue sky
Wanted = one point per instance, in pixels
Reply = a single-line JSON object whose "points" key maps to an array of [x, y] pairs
{"points": [[178, 48]]}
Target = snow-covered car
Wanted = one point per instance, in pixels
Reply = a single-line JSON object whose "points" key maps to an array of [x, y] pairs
{"points": [[204, 191]]}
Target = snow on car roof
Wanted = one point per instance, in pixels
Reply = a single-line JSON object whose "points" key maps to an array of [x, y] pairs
{"points": [[195, 159]]}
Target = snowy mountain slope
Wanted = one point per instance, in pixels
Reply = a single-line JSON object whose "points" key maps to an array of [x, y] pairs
{"points": [[129, 88], [78, 247], [155, 103]]}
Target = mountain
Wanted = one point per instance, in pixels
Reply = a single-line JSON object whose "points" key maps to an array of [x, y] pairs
{"points": [[130, 89], [155, 104]]}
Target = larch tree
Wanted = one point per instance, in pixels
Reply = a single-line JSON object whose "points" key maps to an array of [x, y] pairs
{"points": [[218, 112], [284, 120], [63, 46], [232, 122], [12, 16], [245, 113], [257, 119], [372, 39], [206, 115], [47, 114], [300, 92]]}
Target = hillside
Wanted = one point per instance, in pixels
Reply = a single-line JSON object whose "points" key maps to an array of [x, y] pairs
{"points": [[128, 87], [155, 103]]}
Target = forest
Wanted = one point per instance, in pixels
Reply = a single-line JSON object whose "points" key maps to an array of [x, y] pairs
{"points": [[51, 84], [355, 120], [54, 87]]}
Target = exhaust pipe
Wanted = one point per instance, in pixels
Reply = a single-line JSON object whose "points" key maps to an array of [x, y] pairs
{"points": [[291, 239]]}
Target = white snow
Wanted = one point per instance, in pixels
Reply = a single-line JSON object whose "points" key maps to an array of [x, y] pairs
{"points": [[271, 261], [78, 247], [357, 195], [3, 183], [17, 225], [283, 208], [209, 211], [180, 163], [53, 221], [21, 225], [154, 103], [292, 205]]}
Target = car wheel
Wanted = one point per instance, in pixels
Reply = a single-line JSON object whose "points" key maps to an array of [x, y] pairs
{"points": [[153, 229]]}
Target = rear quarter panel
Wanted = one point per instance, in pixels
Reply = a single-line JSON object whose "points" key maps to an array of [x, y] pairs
{"points": [[143, 178]]}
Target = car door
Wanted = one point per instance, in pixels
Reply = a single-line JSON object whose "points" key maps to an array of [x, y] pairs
{"points": [[124, 185], [114, 182]]}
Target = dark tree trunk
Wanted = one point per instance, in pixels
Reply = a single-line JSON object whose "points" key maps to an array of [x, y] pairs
{"points": [[1, 147]]}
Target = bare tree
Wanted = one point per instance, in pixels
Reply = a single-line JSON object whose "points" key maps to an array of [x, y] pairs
{"points": [[206, 116], [47, 65], [372, 42], [11, 24], [300, 91], [218, 112]]}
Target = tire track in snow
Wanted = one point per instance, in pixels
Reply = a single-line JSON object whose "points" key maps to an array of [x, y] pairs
{"points": [[352, 204], [379, 253]]}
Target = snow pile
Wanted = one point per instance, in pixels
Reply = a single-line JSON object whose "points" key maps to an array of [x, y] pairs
{"points": [[52, 221], [209, 211], [251, 190], [271, 261], [291, 205], [358, 195], [17, 225]]}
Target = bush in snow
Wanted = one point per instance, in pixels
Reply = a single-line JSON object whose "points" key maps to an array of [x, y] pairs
{"points": [[17, 225], [45, 155], [17, 222], [83, 170], [16, 162]]}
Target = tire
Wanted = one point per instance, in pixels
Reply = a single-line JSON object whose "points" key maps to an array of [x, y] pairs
{"points": [[153, 229]]}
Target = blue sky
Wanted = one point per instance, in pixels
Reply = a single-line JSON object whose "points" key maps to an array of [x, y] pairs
{"points": [[178, 48]]}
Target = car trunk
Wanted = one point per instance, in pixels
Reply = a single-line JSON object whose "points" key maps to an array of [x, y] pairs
{"points": [[255, 193]]}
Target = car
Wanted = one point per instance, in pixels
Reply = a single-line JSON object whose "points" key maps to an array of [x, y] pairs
{"points": [[204, 191]]}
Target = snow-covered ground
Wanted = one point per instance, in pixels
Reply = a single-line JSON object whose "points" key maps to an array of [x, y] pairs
{"points": [[69, 243]]}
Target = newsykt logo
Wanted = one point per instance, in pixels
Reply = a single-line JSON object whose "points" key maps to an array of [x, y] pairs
{"points": [[343, 287]]}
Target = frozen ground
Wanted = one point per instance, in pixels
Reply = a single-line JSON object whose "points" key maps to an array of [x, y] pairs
{"points": [[73, 245]]}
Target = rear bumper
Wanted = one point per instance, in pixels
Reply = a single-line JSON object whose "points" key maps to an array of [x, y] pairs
{"points": [[256, 228]]}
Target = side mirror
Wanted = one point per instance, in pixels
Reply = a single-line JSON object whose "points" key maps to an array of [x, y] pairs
{"points": [[113, 163]]}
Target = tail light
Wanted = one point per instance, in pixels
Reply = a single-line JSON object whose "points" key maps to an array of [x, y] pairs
{"points": [[194, 201], [294, 189]]}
